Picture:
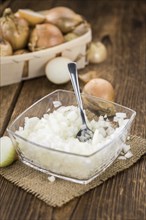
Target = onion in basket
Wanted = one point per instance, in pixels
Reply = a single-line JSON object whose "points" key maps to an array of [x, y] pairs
{"points": [[32, 17], [14, 30], [44, 36], [64, 18], [5, 48]]}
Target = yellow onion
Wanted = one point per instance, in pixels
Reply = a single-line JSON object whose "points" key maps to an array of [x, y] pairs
{"points": [[103, 89], [15, 30], [45, 36], [100, 88], [31, 16], [5, 48], [81, 28], [96, 52], [70, 36], [64, 18], [54, 13]]}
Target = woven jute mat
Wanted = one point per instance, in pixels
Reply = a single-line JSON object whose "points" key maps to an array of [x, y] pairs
{"points": [[60, 191]]}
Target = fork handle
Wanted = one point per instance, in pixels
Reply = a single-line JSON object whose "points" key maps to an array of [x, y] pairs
{"points": [[75, 83]]}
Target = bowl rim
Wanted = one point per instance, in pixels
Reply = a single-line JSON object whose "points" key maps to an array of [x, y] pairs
{"points": [[119, 133]]}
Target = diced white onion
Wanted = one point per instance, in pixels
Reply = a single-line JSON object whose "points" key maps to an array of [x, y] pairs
{"points": [[51, 179], [57, 104], [121, 158], [129, 154], [125, 148]]}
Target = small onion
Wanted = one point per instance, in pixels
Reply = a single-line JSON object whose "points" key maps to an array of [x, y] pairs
{"points": [[15, 30], [44, 36], [5, 48], [57, 71], [100, 88], [96, 53], [64, 18]]}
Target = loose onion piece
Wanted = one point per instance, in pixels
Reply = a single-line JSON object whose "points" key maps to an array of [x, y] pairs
{"points": [[64, 18], [100, 88], [44, 36], [5, 48], [96, 53], [15, 30]]}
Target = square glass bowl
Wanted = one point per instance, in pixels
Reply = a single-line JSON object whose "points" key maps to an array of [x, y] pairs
{"points": [[79, 168]]}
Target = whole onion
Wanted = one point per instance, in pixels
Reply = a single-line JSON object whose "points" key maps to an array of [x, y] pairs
{"points": [[81, 28], [55, 13], [100, 88], [56, 70], [96, 52], [64, 18], [45, 36], [5, 48], [15, 30], [31, 16]]}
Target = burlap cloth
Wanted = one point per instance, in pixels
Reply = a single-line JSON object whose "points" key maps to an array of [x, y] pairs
{"points": [[60, 191]]}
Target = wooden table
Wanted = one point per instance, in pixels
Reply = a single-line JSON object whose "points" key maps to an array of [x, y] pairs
{"points": [[121, 26]]}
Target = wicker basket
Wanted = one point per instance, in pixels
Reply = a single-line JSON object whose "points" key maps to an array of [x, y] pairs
{"points": [[22, 67]]}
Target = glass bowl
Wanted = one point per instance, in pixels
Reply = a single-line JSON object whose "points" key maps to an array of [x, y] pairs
{"points": [[77, 167]]}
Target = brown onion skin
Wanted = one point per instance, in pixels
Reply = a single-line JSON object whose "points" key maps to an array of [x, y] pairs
{"points": [[64, 18], [54, 14], [45, 36], [15, 30], [96, 52], [100, 88], [5, 48]]}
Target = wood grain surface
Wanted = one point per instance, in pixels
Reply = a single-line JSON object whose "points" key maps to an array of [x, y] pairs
{"points": [[121, 26]]}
